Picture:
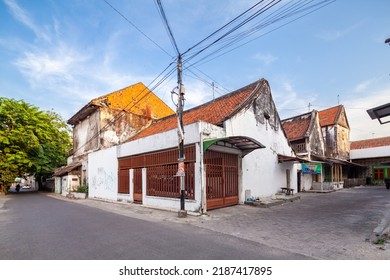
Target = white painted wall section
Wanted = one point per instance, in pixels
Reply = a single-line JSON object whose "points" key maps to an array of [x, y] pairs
{"points": [[103, 174], [376, 152], [262, 174]]}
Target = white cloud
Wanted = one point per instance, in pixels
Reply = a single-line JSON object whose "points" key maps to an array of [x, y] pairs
{"points": [[23, 17], [288, 102], [198, 93], [265, 58], [332, 35], [362, 126], [362, 87]]}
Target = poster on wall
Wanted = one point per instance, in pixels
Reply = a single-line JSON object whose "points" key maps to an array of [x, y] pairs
{"points": [[311, 168]]}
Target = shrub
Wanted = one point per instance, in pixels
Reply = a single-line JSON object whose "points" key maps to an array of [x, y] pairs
{"points": [[82, 189]]}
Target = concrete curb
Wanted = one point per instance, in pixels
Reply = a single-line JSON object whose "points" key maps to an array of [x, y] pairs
{"points": [[272, 202]]}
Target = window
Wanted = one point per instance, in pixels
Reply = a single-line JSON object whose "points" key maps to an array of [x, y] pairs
{"points": [[379, 174]]}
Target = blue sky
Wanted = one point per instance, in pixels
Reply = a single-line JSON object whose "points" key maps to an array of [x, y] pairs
{"points": [[59, 54]]}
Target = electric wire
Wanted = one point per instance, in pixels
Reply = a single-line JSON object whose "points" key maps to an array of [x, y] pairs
{"points": [[139, 30], [166, 24], [226, 38], [287, 10], [122, 112]]}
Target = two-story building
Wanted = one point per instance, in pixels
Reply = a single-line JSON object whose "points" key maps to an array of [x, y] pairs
{"points": [[235, 148], [104, 122], [305, 136], [321, 138]]}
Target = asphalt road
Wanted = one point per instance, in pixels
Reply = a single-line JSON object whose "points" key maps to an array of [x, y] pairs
{"points": [[337, 226], [340, 225], [37, 226]]}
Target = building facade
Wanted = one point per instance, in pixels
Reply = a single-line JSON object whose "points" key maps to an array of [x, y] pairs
{"points": [[374, 154], [235, 148], [107, 121]]}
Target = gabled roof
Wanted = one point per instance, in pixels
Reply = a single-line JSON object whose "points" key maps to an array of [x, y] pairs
{"points": [[137, 99], [297, 127], [370, 143], [213, 112], [330, 116]]}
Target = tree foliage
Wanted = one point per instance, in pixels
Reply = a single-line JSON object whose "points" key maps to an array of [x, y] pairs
{"points": [[32, 141]]}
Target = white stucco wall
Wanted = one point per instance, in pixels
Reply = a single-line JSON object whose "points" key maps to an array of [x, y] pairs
{"points": [[262, 174], [69, 183], [383, 151], [84, 135], [306, 182], [103, 174]]}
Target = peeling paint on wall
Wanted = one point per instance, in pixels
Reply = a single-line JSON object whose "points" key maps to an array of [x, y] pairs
{"points": [[264, 109]]}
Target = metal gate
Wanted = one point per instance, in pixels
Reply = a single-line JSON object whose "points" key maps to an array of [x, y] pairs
{"points": [[221, 179], [137, 181], [161, 168]]}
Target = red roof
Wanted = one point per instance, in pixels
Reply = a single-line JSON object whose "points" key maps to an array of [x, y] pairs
{"points": [[297, 127], [329, 116], [214, 112], [370, 143]]}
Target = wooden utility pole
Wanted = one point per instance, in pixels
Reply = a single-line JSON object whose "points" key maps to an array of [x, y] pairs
{"points": [[180, 132]]}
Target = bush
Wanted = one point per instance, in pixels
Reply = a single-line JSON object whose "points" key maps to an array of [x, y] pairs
{"points": [[82, 189]]}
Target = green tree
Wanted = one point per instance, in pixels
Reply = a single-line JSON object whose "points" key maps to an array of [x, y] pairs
{"points": [[32, 141]]}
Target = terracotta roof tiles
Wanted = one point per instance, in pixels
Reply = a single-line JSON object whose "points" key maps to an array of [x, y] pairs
{"points": [[214, 112], [296, 127], [329, 116], [370, 143]]}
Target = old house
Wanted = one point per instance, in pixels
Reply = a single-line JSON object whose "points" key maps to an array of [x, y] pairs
{"points": [[374, 154], [336, 132], [104, 122], [322, 139], [235, 148], [305, 135]]}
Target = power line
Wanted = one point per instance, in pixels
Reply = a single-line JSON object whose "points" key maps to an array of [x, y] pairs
{"points": [[288, 10], [239, 25], [120, 114], [221, 28], [166, 24], [139, 30]]}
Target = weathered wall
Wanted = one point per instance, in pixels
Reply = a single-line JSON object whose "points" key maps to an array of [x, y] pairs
{"points": [[84, 135], [262, 174], [103, 174], [336, 138], [126, 125], [343, 142], [69, 183], [316, 140]]}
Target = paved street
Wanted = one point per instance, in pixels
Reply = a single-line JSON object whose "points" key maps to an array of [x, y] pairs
{"points": [[337, 225], [37, 226]]}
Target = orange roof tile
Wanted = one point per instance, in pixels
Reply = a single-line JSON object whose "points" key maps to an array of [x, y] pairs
{"points": [[370, 143], [329, 116], [214, 112], [297, 127], [137, 99]]}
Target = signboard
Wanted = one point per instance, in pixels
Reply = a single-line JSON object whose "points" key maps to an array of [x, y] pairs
{"points": [[311, 168]]}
